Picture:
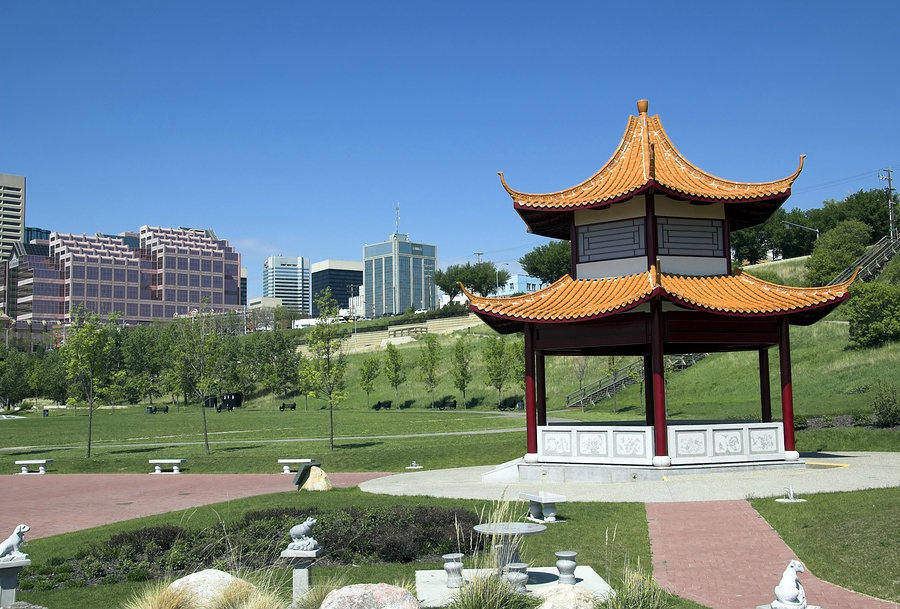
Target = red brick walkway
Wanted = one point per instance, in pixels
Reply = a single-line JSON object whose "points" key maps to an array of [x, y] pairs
{"points": [[61, 503], [724, 555]]}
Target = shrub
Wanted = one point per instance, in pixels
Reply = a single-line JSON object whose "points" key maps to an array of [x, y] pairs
{"points": [[874, 315], [887, 410], [638, 591], [836, 250], [491, 592], [800, 421], [891, 273]]}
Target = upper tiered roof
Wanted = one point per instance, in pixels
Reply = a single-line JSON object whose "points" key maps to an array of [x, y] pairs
{"points": [[646, 159], [742, 295]]}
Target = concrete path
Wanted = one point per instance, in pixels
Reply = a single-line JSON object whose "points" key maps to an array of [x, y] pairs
{"points": [[856, 470], [61, 503], [724, 555]]}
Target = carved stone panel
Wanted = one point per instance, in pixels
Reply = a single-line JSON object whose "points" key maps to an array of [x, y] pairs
{"points": [[592, 444], [728, 442], [764, 440], [629, 444], [557, 444], [691, 443]]}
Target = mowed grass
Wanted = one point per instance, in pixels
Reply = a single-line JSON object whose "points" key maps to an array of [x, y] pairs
{"points": [[827, 379], [584, 530], [850, 539]]}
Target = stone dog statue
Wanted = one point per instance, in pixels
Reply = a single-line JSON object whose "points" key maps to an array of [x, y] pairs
{"points": [[9, 549], [302, 536], [789, 593]]}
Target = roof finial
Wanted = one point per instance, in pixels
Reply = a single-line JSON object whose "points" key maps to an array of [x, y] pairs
{"points": [[642, 105]]}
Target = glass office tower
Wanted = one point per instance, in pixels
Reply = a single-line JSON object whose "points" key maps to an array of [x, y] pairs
{"points": [[398, 275]]}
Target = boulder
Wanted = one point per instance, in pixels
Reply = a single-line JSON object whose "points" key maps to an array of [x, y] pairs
{"points": [[565, 597], [317, 480], [204, 586], [22, 605], [370, 596]]}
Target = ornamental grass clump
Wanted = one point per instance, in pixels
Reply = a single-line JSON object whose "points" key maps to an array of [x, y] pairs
{"points": [[159, 596], [317, 592], [637, 591]]}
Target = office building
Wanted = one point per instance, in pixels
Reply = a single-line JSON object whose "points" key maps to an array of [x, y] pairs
{"points": [[32, 233], [519, 284], [288, 278], [399, 275], [343, 277], [12, 213], [244, 286], [172, 271]]}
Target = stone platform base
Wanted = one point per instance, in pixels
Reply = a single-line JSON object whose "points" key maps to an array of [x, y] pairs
{"points": [[770, 607], [432, 590], [520, 470]]}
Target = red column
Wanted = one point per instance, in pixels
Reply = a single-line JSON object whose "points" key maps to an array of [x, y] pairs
{"points": [[648, 388], [540, 388], [765, 393], [659, 385], [787, 395], [530, 418]]}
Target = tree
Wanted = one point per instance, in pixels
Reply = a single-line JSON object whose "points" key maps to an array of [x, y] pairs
{"points": [[750, 244], [327, 363], [461, 366], [496, 365], [448, 280], [580, 364], [548, 262], [144, 354], [874, 314], [429, 362], [483, 277], [306, 381], [836, 250], [613, 366], [867, 206], [198, 351], [14, 366], [90, 363], [47, 376], [280, 369], [515, 357], [393, 369], [368, 374]]}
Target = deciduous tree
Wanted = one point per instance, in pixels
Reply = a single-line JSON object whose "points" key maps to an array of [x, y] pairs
{"points": [[496, 365], [368, 374], [325, 343], [393, 369], [429, 363], [461, 366], [548, 262]]}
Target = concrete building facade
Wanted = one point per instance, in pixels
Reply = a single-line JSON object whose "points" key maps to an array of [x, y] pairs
{"points": [[288, 278], [344, 277], [519, 284], [398, 274], [12, 213]]}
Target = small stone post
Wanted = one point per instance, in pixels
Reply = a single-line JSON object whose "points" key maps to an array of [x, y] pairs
{"points": [[300, 554], [565, 564]]}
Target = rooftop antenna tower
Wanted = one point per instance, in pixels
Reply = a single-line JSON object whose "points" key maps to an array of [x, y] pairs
{"points": [[397, 218]]}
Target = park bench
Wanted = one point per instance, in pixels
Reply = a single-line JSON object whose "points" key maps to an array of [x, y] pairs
{"points": [[223, 406], [155, 409], [158, 465], [286, 464], [41, 463], [233, 400], [287, 406], [445, 405]]}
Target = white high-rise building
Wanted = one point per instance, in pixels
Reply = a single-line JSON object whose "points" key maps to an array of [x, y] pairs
{"points": [[288, 278], [12, 213]]}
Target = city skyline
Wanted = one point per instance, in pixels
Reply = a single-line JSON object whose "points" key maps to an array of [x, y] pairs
{"points": [[303, 160]]}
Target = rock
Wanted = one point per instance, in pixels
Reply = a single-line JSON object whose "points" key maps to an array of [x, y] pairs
{"points": [[206, 585], [370, 596], [22, 605], [565, 597], [317, 481]]}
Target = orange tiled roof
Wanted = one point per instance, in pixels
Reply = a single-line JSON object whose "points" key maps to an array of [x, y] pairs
{"points": [[646, 156], [570, 300]]}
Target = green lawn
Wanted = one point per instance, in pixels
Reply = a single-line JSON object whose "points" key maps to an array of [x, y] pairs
{"points": [[583, 530], [851, 539]]}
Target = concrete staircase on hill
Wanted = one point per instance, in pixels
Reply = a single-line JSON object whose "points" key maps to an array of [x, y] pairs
{"points": [[871, 262], [606, 387], [367, 341]]}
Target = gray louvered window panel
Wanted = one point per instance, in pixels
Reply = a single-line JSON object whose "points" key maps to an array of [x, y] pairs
{"points": [[690, 237], [610, 240]]}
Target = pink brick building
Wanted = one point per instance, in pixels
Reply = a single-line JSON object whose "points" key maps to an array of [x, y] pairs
{"points": [[151, 275]]}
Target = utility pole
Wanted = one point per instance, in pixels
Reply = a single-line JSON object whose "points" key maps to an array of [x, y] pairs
{"points": [[479, 254], [887, 176]]}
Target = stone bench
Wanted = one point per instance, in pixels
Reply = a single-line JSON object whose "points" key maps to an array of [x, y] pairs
{"points": [[158, 465], [41, 463], [542, 506], [288, 462]]}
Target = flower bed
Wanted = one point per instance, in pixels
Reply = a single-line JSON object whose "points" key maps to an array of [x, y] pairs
{"points": [[348, 536]]}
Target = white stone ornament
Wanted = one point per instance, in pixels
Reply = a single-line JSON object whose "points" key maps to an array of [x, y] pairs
{"points": [[565, 564], [789, 496], [301, 535], [9, 549], [453, 565], [789, 593]]}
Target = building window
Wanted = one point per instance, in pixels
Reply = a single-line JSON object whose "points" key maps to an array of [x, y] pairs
{"points": [[690, 237], [93, 273], [119, 275], [119, 292], [611, 240], [106, 274]]}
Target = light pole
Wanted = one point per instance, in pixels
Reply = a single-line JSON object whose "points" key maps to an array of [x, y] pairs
{"points": [[815, 230]]}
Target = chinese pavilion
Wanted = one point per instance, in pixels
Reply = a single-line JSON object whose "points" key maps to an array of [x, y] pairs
{"points": [[651, 274]]}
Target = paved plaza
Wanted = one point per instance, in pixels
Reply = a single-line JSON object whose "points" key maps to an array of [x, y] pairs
{"points": [[61, 503], [844, 471], [723, 554]]}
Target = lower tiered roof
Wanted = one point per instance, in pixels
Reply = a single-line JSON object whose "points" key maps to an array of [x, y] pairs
{"points": [[741, 295]]}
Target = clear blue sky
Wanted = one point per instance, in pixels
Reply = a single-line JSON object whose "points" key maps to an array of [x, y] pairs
{"points": [[294, 126]]}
